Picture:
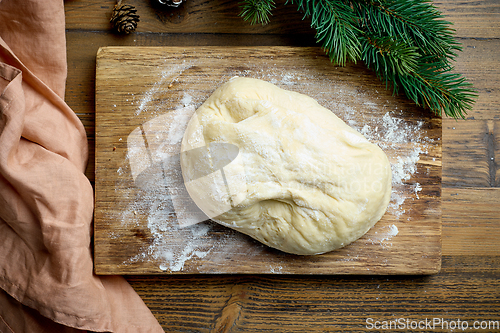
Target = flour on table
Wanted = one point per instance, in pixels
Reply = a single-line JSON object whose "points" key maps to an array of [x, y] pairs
{"points": [[167, 75], [391, 133], [153, 204], [149, 148]]}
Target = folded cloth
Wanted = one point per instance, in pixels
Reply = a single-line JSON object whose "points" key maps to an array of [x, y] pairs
{"points": [[46, 202]]}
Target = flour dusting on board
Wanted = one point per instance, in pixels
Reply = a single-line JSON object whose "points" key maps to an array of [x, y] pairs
{"points": [[154, 165], [384, 235], [390, 133], [157, 140]]}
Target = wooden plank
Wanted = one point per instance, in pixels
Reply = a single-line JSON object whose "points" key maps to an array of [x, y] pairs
{"points": [[220, 16], [470, 221], [466, 289], [493, 143], [471, 18], [469, 151], [136, 86], [480, 64]]}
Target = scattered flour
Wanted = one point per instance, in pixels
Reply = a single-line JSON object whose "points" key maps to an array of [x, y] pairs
{"points": [[275, 269], [384, 235], [186, 100], [391, 133], [417, 188], [150, 94], [152, 160], [149, 101]]}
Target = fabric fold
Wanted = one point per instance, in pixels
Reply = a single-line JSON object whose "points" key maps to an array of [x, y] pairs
{"points": [[46, 201]]}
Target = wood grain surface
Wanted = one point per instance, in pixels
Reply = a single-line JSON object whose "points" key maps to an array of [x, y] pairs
{"points": [[144, 88], [467, 287]]}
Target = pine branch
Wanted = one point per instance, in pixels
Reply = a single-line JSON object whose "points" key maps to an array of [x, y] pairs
{"points": [[407, 43], [257, 11], [389, 58], [429, 46], [336, 28], [417, 22], [439, 90]]}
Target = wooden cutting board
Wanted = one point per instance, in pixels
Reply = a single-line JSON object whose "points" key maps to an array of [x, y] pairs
{"points": [[144, 97]]}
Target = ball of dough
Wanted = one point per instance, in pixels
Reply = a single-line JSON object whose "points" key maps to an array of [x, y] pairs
{"points": [[298, 178]]}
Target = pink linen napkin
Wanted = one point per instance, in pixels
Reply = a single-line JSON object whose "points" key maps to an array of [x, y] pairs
{"points": [[46, 202]]}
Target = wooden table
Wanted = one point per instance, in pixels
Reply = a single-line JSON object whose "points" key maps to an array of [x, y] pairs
{"points": [[468, 286]]}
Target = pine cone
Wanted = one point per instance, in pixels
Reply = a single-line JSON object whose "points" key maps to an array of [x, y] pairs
{"points": [[124, 18]]}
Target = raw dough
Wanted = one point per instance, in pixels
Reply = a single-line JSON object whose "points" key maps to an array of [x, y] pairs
{"points": [[302, 181]]}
